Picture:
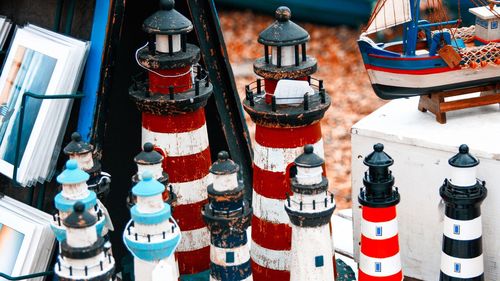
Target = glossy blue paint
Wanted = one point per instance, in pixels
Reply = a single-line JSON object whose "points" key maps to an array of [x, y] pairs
{"points": [[154, 218], [92, 75], [72, 174], [148, 186], [152, 251], [65, 205]]}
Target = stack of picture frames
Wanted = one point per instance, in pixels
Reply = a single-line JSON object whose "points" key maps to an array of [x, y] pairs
{"points": [[47, 64], [27, 242], [5, 27]]}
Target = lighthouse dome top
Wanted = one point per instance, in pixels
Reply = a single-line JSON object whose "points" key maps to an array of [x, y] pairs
{"points": [[378, 158], [309, 159], [283, 32], [167, 20], [148, 156], [148, 186], [77, 146], [79, 218], [72, 174], [224, 165], [463, 159]]}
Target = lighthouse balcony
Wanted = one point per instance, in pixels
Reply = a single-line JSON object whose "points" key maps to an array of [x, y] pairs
{"points": [[292, 109], [100, 267]]}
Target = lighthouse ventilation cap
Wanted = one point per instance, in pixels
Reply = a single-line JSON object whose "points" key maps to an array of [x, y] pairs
{"points": [[72, 174], [148, 156], [378, 158], [309, 159], [79, 218], [167, 21], [148, 186], [283, 32], [224, 165], [77, 146], [463, 159]]}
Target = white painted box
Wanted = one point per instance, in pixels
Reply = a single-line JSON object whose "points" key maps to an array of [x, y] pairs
{"points": [[421, 148]]}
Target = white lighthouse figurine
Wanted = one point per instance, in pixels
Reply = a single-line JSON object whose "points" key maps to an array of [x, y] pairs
{"points": [[310, 210], [83, 255], [152, 235]]}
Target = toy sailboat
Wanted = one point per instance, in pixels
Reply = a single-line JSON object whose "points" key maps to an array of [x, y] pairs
{"points": [[433, 56]]}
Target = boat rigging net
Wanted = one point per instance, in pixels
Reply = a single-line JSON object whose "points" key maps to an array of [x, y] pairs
{"points": [[480, 55], [389, 13]]}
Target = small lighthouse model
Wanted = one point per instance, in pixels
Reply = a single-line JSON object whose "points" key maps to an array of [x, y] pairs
{"points": [[74, 188], [379, 254], [284, 124], [83, 253], [150, 160], [152, 235], [462, 255], [83, 153], [172, 102], [228, 216], [310, 210]]}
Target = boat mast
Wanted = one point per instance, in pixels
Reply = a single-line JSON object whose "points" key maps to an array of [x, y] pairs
{"points": [[410, 29]]}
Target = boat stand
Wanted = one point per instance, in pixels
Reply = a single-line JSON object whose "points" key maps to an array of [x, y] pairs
{"points": [[437, 104]]}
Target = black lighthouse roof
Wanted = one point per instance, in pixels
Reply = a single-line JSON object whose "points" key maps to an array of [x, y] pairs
{"points": [[77, 146], [309, 159], [378, 158], [148, 156], [224, 165], [167, 20], [463, 159], [79, 218], [283, 32]]}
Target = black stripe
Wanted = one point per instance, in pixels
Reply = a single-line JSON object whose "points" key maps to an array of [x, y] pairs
{"points": [[444, 277], [463, 214], [462, 249], [230, 273], [229, 240]]}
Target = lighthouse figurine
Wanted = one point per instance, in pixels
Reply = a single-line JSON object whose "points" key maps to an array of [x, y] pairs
{"points": [[228, 216], [83, 255], [83, 153], [152, 235], [74, 188], [287, 117], [151, 160], [172, 102], [310, 209], [463, 193], [379, 257]]}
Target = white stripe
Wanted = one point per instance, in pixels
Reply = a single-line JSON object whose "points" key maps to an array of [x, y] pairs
{"points": [[388, 266], [278, 159], [241, 255], [272, 210], [192, 191], [462, 230], [194, 240], [277, 260], [178, 144], [379, 230], [468, 268]]}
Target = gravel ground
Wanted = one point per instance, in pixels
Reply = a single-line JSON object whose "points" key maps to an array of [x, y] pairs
{"points": [[341, 68]]}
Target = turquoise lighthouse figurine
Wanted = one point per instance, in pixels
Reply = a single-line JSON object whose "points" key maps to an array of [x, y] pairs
{"points": [[152, 235], [74, 188]]}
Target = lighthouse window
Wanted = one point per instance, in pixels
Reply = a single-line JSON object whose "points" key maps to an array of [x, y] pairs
{"points": [[456, 229], [230, 257], [318, 260], [457, 267], [481, 23], [379, 231], [378, 267], [494, 24]]}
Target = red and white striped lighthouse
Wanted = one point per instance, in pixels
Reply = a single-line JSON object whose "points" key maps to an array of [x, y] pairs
{"points": [[379, 257], [284, 124], [173, 119]]}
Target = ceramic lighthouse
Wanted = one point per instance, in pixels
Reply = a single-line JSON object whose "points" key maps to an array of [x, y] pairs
{"points": [[83, 153], [462, 254], [152, 235], [83, 255], [151, 160], [74, 188], [284, 124], [172, 103], [379, 253], [228, 216], [310, 210]]}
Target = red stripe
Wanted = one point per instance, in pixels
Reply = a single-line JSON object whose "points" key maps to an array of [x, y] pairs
{"points": [[365, 277], [260, 273], [188, 216], [379, 248], [158, 84], [379, 214], [486, 41], [403, 58], [273, 236], [288, 137], [269, 184], [187, 168], [177, 123], [194, 261], [412, 71]]}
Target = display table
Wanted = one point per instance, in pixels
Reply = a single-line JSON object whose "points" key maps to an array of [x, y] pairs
{"points": [[421, 148]]}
